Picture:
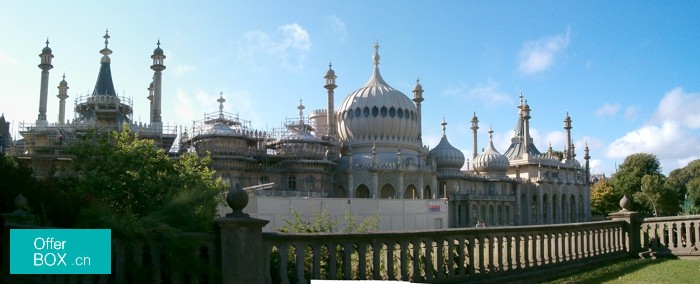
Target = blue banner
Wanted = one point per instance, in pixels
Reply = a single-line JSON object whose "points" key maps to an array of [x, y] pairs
{"points": [[60, 251]]}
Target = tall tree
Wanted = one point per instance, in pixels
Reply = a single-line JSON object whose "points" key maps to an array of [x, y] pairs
{"points": [[628, 178], [603, 198]]}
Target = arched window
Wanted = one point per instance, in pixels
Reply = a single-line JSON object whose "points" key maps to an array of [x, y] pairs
{"points": [[292, 183], [362, 191], [544, 209]]}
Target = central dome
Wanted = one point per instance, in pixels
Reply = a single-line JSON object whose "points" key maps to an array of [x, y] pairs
{"points": [[378, 112]]}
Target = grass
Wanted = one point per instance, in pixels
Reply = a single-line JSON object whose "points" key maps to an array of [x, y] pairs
{"points": [[635, 270]]}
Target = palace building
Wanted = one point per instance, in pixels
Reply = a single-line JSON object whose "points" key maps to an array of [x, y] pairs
{"points": [[369, 147]]}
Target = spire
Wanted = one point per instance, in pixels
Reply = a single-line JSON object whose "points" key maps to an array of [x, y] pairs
{"points": [[444, 123], [474, 128], [62, 96], [221, 102], [301, 108], [376, 53], [45, 66], [330, 87], [104, 84], [106, 51]]}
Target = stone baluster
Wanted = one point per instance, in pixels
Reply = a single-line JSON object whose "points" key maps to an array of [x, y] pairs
{"points": [[347, 260], [377, 247], [404, 259]]}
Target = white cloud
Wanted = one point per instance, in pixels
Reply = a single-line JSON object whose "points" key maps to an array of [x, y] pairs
{"points": [[538, 55], [337, 28], [679, 106], [668, 141], [6, 59], [184, 107], [181, 69], [487, 93], [287, 48], [631, 112], [607, 109]]}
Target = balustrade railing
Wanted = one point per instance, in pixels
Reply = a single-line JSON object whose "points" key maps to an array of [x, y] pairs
{"points": [[671, 236], [441, 255]]}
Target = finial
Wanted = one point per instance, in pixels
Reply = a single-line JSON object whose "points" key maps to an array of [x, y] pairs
{"points": [[490, 133], [301, 110], [444, 123], [64, 76], [106, 37], [221, 101], [158, 43], [521, 98], [376, 52], [330, 65], [47, 41]]}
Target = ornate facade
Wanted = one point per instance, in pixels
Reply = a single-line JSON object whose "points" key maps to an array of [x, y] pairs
{"points": [[369, 147], [43, 144]]}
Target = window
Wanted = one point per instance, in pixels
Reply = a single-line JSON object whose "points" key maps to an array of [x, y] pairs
{"points": [[292, 183]]}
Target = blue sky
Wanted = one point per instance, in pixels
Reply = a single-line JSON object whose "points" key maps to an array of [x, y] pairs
{"points": [[626, 72]]}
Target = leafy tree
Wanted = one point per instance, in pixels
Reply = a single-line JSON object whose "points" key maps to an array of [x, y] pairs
{"points": [[129, 185], [656, 195], [603, 198], [628, 178], [686, 180]]}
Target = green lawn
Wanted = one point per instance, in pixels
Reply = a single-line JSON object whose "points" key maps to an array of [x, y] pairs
{"points": [[634, 270]]}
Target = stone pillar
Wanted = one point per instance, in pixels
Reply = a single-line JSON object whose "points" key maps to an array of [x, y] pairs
{"points": [[632, 230], [242, 251]]}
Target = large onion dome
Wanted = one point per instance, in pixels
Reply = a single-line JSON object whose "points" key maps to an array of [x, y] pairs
{"points": [[377, 112], [447, 156], [491, 161]]}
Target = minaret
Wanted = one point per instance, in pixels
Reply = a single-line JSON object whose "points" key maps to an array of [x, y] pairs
{"points": [[567, 127], [45, 66], [526, 126], [475, 127], [62, 96], [150, 99], [157, 67], [417, 99], [330, 86]]}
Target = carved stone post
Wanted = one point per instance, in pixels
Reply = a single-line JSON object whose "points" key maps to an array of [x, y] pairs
{"points": [[242, 251], [632, 229]]}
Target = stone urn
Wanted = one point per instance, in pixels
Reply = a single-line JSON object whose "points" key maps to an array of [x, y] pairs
{"points": [[625, 203], [237, 199]]}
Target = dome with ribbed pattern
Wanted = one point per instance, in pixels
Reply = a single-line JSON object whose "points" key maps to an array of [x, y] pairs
{"points": [[447, 156], [491, 161], [376, 111]]}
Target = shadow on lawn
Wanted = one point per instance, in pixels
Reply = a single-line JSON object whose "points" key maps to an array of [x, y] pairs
{"points": [[610, 270]]}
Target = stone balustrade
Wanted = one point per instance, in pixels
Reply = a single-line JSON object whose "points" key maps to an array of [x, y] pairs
{"points": [[239, 252], [440, 255]]}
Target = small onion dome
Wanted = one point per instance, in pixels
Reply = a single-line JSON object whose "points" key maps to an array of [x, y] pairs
{"points": [[491, 161], [418, 86], [46, 49], [158, 50], [330, 71], [446, 155]]}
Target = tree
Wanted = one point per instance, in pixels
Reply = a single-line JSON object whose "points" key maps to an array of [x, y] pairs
{"points": [[129, 185], [656, 195], [603, 198], [628, 178], [686, 180]]}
